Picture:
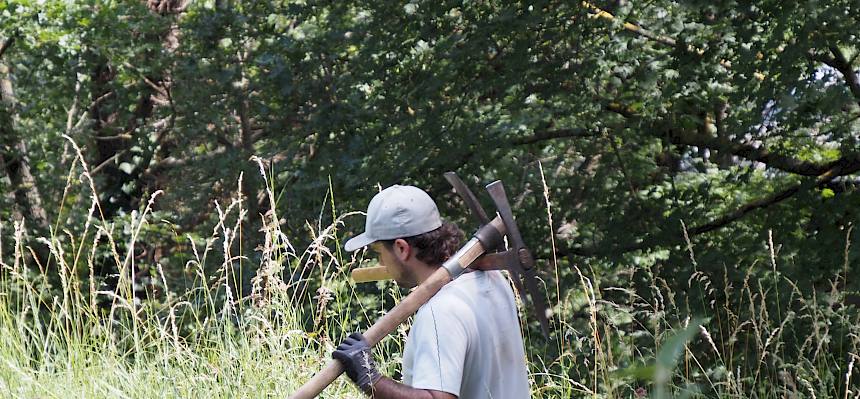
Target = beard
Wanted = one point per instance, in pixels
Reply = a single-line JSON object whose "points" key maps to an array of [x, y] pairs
{"points": [[403, 276]]}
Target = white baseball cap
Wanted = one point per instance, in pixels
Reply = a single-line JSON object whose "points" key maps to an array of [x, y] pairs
{"points": [[397, 212]]}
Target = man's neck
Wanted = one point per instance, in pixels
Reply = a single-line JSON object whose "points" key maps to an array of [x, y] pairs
{"points": [[423, 271]]}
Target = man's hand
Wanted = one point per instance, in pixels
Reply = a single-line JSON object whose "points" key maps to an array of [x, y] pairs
{"points": [[355, 355]]}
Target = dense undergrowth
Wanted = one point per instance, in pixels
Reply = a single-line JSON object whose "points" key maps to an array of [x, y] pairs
{"points": [[66, 331]]}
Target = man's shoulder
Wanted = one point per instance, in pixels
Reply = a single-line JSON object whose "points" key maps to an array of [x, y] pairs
{"points": [[445, 302], [459, 297]]}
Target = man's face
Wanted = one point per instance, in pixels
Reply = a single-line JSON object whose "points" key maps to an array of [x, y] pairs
{"points": [[397, 269]]}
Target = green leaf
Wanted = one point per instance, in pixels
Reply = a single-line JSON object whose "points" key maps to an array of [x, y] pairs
{"points": [[667, 356], [671, 349], [643, 372], [126, 167]]}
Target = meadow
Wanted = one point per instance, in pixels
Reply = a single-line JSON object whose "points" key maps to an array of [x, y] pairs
{"points": [[63, 333], [176, 178]]}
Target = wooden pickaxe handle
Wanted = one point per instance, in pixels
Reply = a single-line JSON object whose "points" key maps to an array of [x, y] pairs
{"points": [[367, 274], [494, 261], [397, 315], [491, 261]]}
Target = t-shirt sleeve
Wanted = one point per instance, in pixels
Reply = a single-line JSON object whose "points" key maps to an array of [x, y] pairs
{"points": [[440, 344]]}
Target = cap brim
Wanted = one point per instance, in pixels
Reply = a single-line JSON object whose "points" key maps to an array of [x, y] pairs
{"points": [[358, 242]]}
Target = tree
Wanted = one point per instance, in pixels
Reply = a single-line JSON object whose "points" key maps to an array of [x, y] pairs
{"points": [[14, 158], [730, 119]]}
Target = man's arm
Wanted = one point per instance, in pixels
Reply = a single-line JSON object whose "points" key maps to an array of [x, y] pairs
{"points": [[358, 363], [386, 388]]}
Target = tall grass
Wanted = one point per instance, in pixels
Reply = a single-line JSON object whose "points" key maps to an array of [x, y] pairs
{"points": [[64, 334], [80, 340]]}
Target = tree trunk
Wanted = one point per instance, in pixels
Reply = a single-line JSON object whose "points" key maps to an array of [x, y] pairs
{"points": [[115, 139], [14, 157], [250, 183]]}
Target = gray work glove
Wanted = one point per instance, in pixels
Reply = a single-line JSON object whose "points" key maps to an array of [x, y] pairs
{"points": [[355, 355]]}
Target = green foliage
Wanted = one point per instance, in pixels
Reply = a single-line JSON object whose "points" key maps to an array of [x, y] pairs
{"points": [[629, 137], [204, 338]]}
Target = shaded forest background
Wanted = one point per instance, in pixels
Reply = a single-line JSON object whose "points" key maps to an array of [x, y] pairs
{"points": [[627, 133]]}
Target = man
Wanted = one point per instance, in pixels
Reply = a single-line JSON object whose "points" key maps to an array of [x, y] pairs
{"points": [[465, 342]]}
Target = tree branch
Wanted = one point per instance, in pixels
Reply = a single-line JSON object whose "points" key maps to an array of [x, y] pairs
{"points": [[603, 249], [6, 44], [841, 64], [837, 170], [106, 162], [600, 13], [757, 154], [749, 152], [844, 67], [664, 40], [173, 162], [552, 134]]}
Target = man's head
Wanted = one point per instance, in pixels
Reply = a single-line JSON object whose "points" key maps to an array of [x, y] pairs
{"points": [[404, 228]]}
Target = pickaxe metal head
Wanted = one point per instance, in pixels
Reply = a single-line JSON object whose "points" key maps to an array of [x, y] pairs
{"points": [[523, 263], [468, 197], [517, 259]]}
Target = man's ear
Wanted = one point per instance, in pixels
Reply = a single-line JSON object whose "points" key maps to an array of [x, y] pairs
{"points": [[402, 250]]}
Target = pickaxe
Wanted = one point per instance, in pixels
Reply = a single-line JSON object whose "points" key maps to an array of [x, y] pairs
{"points": [[489, 237], [517, 260]]}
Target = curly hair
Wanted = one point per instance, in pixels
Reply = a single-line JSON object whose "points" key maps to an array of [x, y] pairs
{"points": [[435, 246]]}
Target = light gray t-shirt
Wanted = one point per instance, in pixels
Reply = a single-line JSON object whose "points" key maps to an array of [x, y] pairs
{"points": [[466, 341]]}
